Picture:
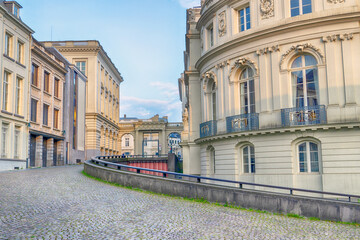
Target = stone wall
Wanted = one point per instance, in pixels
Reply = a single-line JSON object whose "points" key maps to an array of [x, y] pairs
{"points": [[273, 202]]}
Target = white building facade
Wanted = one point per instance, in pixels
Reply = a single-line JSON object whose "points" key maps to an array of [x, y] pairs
{"points": [[271, 93]]}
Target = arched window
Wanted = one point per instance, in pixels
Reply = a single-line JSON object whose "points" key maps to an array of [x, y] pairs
{"points": [[247, 91], [308, 157], [304, 76], [211, 98], [212, 164], [248, 159]]}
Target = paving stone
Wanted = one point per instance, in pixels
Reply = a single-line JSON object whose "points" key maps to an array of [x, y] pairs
{"points": [[61, 203]]}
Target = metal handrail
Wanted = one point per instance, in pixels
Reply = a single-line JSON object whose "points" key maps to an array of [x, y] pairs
{"points": [[135, 156], [199, 178]]}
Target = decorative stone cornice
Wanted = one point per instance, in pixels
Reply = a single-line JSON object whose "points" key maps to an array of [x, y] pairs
{"points": [[268, 50], [338, 37], [266, 8], [87, 49]]}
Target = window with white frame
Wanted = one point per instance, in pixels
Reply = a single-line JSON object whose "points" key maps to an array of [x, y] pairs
{"points": [[4, 140], [304, 76], [248, 159], [210, 36], [127, 142], [300, 7], [8, 45], [18, 93], [212, 160], [211, 98], [81, 65], [244, 19], [20, 52], [247, 91], [6, 80], [308, 157], [17, 143]]}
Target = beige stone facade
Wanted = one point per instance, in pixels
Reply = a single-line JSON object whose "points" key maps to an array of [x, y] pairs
{"points": [[15, 65], [102, 91], [46, 108], [271, 93], [148, 137]]}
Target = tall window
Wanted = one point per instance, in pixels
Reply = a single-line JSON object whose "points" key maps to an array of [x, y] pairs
{"points": [[210, 36], [56, 119], [212, 161], [248, 157], [17, 143], [33, 116], [211, 92], [308, 157], [247, 91], [46, 115], [4, 140], [244, 19], [127, 142], [81, 65], [47, 82], [34, 75], [305, 81], [20, 52], [299, 7], [18, 95], [8, 44], [57, 87], [6, 79]]}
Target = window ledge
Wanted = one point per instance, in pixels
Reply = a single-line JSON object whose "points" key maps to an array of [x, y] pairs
{"points": [[8, 57], [6, 112], [36, 87], [57, 98], [19, 116], [35, 123], [47, 93], [57, 130], [46, 126], [20, 64]]}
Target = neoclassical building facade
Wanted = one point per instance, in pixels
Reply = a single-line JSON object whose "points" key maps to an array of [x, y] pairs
{"points": [[102, 94], [15, 44], [271, 93], [149, 137]]}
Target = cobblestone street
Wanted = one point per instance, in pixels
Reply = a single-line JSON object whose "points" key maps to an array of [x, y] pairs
{"points": [[61, 203]]}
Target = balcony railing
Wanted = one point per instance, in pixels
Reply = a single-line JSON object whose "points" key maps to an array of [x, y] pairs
{"points": [[243, 122], [208, 129], [310, 115]]}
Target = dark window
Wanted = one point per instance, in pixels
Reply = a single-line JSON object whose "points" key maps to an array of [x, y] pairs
{"points": [[34, 75], [46, 82], [33, 110], [46, 115], [75, 111], [56, 118], [56, 87]]}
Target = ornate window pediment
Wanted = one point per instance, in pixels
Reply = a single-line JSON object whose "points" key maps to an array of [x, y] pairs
{"points": [[239, 65], [298, 49], [208, 76]]}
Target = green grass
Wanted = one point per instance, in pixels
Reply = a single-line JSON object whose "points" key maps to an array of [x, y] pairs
{"points": [[227, 205]]}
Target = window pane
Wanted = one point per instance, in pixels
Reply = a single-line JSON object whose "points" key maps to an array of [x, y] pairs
{"points": [[310, 61], [295, 12], [297, 63], [294, 3], [314, 161], [246, 159]]}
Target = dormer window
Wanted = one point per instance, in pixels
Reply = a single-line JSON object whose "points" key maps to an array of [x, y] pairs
{"points": [[13, 7]]}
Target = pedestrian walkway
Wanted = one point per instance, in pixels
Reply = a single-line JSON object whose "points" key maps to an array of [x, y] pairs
{"points": [[61, 203]]}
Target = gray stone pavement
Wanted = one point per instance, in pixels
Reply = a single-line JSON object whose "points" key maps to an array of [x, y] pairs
{"points": [[61, 203]]}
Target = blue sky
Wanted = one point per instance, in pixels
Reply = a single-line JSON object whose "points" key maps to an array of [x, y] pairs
{"points": [[144, 38]]}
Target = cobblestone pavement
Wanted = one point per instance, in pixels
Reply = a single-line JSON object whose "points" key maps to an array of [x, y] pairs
{"points": [[61, 203]]}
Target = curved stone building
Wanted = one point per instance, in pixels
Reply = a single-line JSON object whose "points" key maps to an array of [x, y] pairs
{"points": [[271, 92]]}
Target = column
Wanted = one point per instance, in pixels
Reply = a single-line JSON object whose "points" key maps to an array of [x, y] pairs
{"points": [[50, 152], [39, 151]]}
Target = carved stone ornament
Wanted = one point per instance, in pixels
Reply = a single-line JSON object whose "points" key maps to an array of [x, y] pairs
{"points": [[300, 48], [222, 24], [209, 76], [267, 8], [241, 63], [336, 1], [336, 37]]}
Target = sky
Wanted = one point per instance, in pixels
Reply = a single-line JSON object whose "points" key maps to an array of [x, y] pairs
{"points": [[145, 39]]}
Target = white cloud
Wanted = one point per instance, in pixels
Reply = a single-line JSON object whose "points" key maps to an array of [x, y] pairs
{"points": [[189, 3]]}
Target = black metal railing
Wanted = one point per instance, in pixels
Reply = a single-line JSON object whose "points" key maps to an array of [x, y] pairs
{"points": [[242, 122], [134, 156], [208, 129], [241, 185], [310, 115]]}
